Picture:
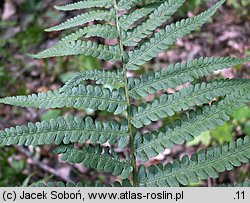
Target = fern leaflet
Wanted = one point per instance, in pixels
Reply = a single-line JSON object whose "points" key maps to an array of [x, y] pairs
{"points": [[97, 158], [66, 131], [166, 37], [126, 21], [190, 126], [101, 77], [92, 97], [156, 19], [202, 165], [84, 18], [199, 94], [178, 74], [86, 4], [88, 48], [126, 5], [98, 30]]}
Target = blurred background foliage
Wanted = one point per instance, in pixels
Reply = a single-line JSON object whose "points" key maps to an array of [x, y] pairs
{"points": [[21, 30]]}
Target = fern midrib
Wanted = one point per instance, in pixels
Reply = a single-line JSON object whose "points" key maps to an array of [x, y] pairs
{"points": [[188, 125], [202, 166], [188, 97], [129, 117]]}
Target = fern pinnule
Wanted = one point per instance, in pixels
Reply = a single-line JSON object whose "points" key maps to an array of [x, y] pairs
{"points": [[68, 130], [126, 5], [177, 74], [97, 158], [100, 76], [161, 14], [93, 97], [104, 31], [79, 47], [199, 94], [190, 125], [86, 4], [84, 18], [161, 40], [129, 19], [201, 165]]}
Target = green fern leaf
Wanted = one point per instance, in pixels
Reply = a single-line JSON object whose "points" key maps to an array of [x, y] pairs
{"points": [[104, 31], [92, 97], [94, 157], [188, 97], [126, 21], [166, 37], [202, 165], [87, 48], [126, 5], [178, 74], [84, 18], [156, 19], [86, 4], [66, 131], [101, 77], [190, 126]]}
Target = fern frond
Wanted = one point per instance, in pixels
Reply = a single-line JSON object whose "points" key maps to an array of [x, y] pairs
{"points": [[180, 73], [97, 158], [66, 131], [166, 37], [201, 165], [104, 31], [188, 97], [86, 4], [101, 77], [189, 126], [126, 5], [126, 21], [160, 15], [84, 18], [93, 97], [87, 48]]}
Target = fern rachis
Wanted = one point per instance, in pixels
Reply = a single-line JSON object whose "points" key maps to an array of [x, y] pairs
{"points": [[84, 140]]}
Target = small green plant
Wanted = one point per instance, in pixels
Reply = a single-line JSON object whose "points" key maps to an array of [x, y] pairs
{"points": [[202, 106], [11, 169]]}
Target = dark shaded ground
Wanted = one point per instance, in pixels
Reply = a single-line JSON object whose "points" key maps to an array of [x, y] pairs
{"points": [[21, 28]]}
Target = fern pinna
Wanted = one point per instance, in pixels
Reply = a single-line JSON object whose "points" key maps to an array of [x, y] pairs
{"points": [[141, 35]]}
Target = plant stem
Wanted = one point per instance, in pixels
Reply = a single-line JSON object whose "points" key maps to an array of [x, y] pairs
{"points": [[130, 127]]}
